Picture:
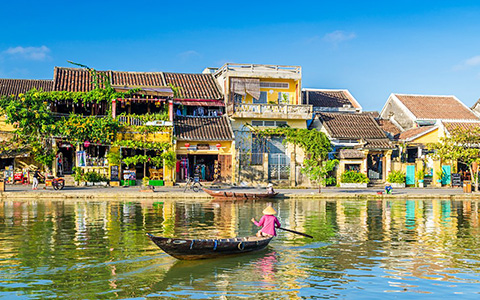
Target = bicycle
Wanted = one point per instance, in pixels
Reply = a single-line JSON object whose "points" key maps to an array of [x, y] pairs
{"points": [[193, 184]]}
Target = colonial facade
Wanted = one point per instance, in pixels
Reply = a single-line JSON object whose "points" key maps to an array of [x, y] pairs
{"points": [[358, 142], [264, 96], [414, 121]]}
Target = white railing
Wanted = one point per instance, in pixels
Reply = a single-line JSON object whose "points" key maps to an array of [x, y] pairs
{"points": [[285, 109], [258, 68]]}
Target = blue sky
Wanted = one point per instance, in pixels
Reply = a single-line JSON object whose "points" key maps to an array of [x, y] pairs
{"points": [[371, 48]]}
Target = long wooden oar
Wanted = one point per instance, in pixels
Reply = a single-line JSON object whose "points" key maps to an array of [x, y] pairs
{"points": [[296, 232]]}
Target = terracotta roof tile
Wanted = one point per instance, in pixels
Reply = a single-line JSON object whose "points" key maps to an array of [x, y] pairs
{"points": [[450, 126], [351, 126], [328, 98], [411, 133], [194, 86], [137, 78], [389, 128], [436, 107], [377, 144], [203, 129], [17, 86], [74, 79]]}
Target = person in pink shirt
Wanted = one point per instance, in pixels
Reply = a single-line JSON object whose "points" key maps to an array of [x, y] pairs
{"points": [[267, 222]]}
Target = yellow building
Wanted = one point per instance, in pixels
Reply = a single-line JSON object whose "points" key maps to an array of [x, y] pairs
{"points": [[264, 96]]}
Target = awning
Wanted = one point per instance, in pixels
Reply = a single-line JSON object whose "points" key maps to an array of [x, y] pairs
{"points": [[193, 102], [164, 91]]}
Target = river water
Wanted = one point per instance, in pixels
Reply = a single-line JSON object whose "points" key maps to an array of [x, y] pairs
{"points": [[362, 249]]}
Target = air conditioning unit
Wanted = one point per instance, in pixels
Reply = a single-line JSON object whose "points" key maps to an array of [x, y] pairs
{"points": [[347, 106]]}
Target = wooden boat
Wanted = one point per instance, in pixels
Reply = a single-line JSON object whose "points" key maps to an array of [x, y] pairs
{"points": [[231, 195], [189, 249]]}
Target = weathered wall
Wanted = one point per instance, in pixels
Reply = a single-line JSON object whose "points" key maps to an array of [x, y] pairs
{"points": [[398, 113]]}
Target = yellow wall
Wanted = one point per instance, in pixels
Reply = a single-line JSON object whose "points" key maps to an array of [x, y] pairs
{"points": [[4, 126], [431, 137], [238, 124], [272, 93], [165, 136]]}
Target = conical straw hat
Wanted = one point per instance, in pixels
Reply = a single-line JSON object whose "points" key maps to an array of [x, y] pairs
{"points": [[269, 211]]}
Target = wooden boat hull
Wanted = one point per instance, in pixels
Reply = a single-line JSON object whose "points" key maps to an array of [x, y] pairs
{"points": [[230, 195], [188, 249]]}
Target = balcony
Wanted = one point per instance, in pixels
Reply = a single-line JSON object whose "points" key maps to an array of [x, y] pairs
{"points": [[272, 111], [260, 71], [136, 121]]}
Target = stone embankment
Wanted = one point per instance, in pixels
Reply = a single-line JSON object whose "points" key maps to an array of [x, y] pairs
{"points": [[176, 193]]}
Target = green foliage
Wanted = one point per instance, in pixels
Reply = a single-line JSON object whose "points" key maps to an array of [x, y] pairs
{"points": [[77, 129], [94, 177], [318, 171], [114, 158], [143, 145], [396, 177], [145, 181], [163, 116], [354, 177], [314, 143], [78, 174], [420, 174], [33, 122]]}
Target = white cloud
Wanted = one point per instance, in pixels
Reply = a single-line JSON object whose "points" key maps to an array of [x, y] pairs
{"points": [[184, 56], [338, 36], [29, 53], [468, 63]]}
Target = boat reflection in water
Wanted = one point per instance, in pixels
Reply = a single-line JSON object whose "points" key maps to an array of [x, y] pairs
{"points": [[362, 248]]}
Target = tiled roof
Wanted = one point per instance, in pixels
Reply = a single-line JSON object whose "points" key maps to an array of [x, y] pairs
{"points": [[18, 86], [329, 98], [351, 153], [436, 107], [377, 144], [73, 79], [194, 86], [450, 126], [137, 78], [389, 128], [414, 132], [351, 126], [203, 129]]}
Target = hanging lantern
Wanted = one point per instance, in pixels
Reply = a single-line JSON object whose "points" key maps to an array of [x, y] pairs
{"points": [[86, 144], [218, 145], [187, 145]]}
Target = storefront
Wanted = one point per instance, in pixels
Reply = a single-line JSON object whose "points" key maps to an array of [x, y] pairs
{"points": [[205, 167], [64, 158], [204, 149]]}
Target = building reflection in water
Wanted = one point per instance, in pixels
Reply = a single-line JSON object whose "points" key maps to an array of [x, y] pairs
{"points": [[430, 239]]}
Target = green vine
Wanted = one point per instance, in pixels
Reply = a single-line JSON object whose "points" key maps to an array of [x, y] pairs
{"points": [[315, 144]]}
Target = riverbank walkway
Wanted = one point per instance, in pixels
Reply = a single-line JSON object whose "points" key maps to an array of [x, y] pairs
{"points": [[132, 192]]}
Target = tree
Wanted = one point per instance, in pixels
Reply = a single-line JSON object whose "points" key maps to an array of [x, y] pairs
{"points": [[33, 122], [461, 145], [316, 146]]}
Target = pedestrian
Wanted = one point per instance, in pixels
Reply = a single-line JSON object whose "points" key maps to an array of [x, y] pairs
{"points": [[388, 188], [36, 177], [268, 223], [270, 190]]}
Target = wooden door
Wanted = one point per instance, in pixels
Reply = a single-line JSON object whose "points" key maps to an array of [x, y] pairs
{"points": [[225, 167]]}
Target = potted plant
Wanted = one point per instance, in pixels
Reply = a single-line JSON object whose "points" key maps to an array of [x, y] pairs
{"points": [[439, 174], [420, 177], [396, 179], [78, 176], [353, 179]]}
